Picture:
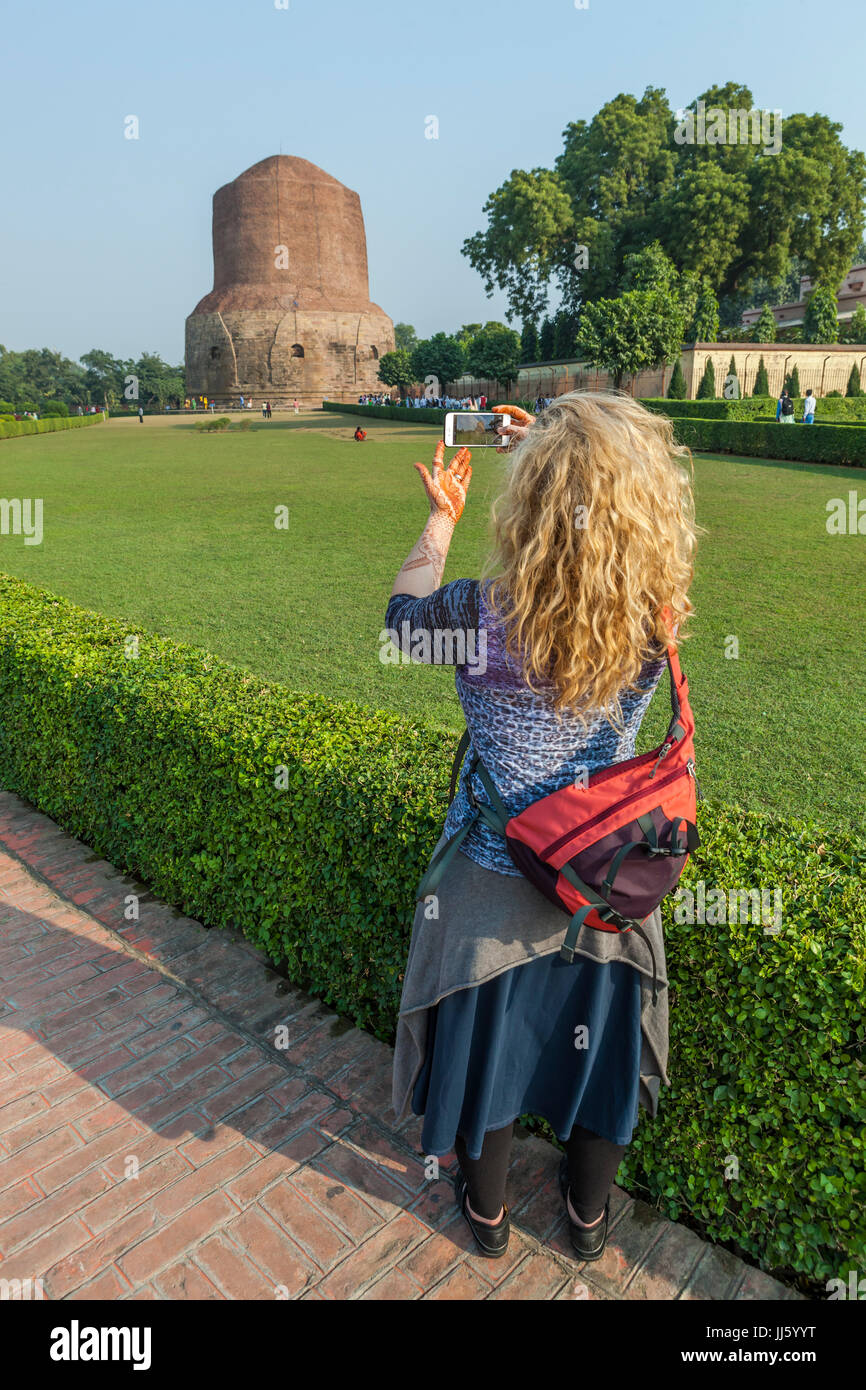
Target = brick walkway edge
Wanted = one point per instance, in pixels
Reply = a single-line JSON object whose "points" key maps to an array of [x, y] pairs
{"points": [[155, 1142]]}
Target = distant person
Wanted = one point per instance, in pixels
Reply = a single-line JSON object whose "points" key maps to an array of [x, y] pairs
{"points": [[295, 406], [264, 410], [785, 409], [141, 414], [268, 404], [242, 402], [360, 434], [809, 408]]}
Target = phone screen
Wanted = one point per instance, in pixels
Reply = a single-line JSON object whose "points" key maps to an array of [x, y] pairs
{"points": [[476, 429]]}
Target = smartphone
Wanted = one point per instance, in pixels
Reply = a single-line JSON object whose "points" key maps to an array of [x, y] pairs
{"points": [[476, 429]]}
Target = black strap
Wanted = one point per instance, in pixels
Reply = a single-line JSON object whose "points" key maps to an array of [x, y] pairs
{"points": [[643, 936], [605, 910], [465, 740], [569, 946], [488, 784], [616, 862], [607, 914], [441, 859], [674, 849], [675, 699]]}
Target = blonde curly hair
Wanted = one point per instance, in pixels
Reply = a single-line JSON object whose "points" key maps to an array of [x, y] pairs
{"points": [[593, 536]]}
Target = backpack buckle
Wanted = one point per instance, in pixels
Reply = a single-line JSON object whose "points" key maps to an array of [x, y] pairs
{"points": [[616, 919]]}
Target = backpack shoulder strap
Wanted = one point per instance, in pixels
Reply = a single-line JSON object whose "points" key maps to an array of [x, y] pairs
{"points": [[676, 728], [462, 747]]}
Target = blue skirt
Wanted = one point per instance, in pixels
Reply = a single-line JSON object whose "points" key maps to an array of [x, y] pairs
{"points": [[546, 1038]]}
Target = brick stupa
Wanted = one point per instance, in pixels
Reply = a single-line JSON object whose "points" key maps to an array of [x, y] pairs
{"points": [[289, 314]]}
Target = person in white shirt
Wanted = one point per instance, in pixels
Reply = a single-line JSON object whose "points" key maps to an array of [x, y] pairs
{"points": [[809, 408]]}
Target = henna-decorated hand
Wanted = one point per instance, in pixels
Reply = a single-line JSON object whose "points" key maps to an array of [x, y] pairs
{"points": [[447, 487], [521, 422]]}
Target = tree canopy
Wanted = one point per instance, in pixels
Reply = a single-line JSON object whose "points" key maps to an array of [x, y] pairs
{"points": [[494, 352], [643, 326], [43, 377], [395, 368], [731, 214], [442, 356]]}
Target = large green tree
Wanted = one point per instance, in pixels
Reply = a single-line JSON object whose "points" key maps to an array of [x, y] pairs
{"points": [[529, 221], [732, 213], [104, 376], [395, 368], [41, 376], [494, 353], [442, 356], [643, 326], [158, 383]]}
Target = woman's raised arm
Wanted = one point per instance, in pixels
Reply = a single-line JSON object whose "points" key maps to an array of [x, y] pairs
{"points": [[422, 570]]}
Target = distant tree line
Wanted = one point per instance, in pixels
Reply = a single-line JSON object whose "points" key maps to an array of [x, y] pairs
{"points": [[490, 351], [40, 377]]}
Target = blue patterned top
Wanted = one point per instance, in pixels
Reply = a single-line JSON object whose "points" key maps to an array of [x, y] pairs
{"points": [[528, 748]]}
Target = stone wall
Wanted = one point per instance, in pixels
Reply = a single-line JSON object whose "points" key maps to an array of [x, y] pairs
{"points": [[824, 368]]}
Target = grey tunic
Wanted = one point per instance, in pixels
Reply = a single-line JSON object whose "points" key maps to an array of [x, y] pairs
{"points": [[488, 923]]}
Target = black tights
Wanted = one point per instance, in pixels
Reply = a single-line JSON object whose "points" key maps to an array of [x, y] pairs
{"points": [[592, 1165]]}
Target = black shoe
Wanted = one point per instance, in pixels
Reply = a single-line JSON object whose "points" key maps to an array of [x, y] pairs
{"points": [[587, 1244], [492, 1241]]}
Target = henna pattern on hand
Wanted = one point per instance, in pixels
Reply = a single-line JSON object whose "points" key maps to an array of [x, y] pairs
{"points": [[432, 547], [446, 489]]}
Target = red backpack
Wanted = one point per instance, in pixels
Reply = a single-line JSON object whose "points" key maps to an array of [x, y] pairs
{"points": [[606, 853]]}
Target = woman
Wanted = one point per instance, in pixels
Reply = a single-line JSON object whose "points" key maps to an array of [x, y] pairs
{"points": [[593, 537]]}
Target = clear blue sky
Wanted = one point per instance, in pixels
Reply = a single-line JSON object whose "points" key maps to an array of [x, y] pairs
{"points": [[105, 242]]}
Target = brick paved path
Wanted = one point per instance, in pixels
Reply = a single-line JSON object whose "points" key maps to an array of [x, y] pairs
{"points": [[154, 1143]]}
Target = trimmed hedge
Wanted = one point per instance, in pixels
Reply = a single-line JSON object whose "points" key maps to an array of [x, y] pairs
{"points": [[750, 439], [839, 410], [423, 415], [166, 764], [834, 444], [13, 429], [703, 410], [426, 415]]}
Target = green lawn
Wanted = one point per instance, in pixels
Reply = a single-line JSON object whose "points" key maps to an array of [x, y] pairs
{"points": [[174, 532]]}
